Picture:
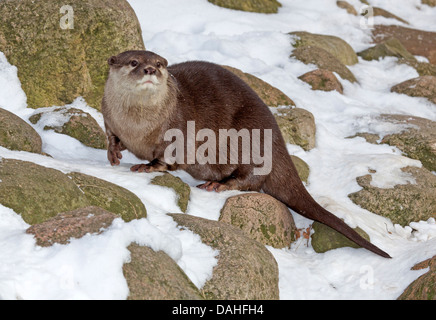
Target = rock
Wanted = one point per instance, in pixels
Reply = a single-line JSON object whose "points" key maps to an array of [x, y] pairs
{"points": [[394, 48], [417, 140], [417, 42], [323, 60], [423, 68], [423, 288], [272, 96], [302, 168], [297, 126], [337, 47], [16, 134], [57, 64], [37, 193], [369, 137], [383, 13], [182, 190], [402, 204], [345, 5], [109, 196], [324, 80], [154, 275], [431, 3], [73, 224], [74, 123], [389, 48], [325, 238], [261, 6], [246, 269], [424, 86], [260, 217]]}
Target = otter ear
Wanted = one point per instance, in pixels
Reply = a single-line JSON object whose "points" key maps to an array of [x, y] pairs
{"points": [[112, 60], [165, 61]]}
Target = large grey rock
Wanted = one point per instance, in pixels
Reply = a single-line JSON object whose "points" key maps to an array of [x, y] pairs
{"points": [[297, 126], [58, 64], [337, 47], [402, 204], [260, 217], [245, 270], [154, 275]]}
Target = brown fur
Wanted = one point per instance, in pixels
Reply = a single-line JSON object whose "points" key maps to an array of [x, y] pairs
{"points": [[215, 99]]}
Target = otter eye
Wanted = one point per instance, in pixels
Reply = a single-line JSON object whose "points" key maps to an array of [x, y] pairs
{"points": [[134, 63], [158, 64]]}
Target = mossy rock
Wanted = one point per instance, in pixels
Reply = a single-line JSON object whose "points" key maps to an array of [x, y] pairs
{"points": [[56, 65], [417, 42], [37, 193], [270, 95], [389, 48], [182, 190], [325, 238], [78, 124], [246, 270], [260, 6], [302, 168], [154, 275], [323, 60], [337, 47], [423, 288], [297, 126], [402, 204], [423, 68], [16, 134], [417, 140], [260, 217], [109, 196]]}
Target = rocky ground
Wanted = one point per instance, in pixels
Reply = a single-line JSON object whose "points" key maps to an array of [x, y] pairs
{"points": [[59, 206]]}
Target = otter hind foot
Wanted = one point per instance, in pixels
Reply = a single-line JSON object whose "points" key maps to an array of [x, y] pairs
{"points": [[213, 186]]}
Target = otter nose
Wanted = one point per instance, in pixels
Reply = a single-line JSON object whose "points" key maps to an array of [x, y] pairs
{"points": [[150, 70]]}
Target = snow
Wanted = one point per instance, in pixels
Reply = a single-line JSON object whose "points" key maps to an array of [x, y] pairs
{"points": [[91, 267]]}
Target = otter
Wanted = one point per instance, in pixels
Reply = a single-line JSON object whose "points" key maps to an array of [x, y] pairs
{"points": [[144, 98]]}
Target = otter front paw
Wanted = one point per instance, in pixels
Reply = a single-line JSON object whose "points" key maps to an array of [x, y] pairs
{"points": [[114, 155]]}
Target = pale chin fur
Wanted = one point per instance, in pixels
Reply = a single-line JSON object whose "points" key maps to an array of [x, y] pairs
{"points": [[144, 83]]}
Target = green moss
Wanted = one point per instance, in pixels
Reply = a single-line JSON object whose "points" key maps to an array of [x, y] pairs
{"points": [[37, 193], [337, 47], [182, 190], [110, 197], [55, 66], [325, 238], [261, 6]]}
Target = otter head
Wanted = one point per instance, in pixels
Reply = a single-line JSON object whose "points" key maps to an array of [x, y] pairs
{"points": [[138, 72]]}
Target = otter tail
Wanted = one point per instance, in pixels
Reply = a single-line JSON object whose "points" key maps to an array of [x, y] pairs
{"points": [[286, 186]]}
